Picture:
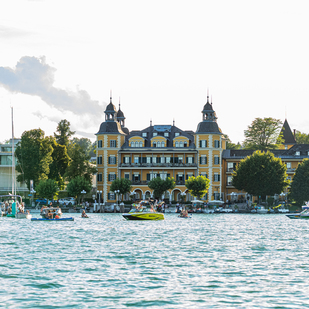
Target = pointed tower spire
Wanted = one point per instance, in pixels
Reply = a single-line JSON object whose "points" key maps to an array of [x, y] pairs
{"points": [[110, 96], [207, 95]]}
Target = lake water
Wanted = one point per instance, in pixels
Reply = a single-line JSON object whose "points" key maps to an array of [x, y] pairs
{"points": [[209, 261]]}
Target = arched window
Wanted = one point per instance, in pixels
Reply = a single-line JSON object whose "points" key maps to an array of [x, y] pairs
{"points": [[132, 144], [136, 144], [154, 144], [177, 144], [158, 144], [141, 144], [181, 144]]}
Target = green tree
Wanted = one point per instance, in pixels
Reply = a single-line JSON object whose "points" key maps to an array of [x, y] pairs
{"points": [[260, 174], [34, 156], [47, 188], [77, 185], [64, 133], [60, 163], [263, 134], [122, 184], [197, 186], [301, 138], [80, 164], [160, 186], [300, 185], [85, 144]]}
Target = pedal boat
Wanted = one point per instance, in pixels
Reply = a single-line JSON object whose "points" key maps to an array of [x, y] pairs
{"points": [[143, 213]]}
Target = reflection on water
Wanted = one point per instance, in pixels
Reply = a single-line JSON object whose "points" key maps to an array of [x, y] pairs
{"points": [[209, 261]]}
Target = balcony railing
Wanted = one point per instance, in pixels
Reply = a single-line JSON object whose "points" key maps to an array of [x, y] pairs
{"points": [[149, 165], [230, 170], [143, 182]]}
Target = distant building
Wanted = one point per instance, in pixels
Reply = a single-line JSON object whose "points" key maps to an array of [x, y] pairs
{"points": [[6, 169]]}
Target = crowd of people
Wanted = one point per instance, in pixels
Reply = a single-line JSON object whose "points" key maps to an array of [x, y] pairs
{"points": [[51, 212]]}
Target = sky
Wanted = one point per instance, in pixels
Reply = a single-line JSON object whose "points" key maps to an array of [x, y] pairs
{"points": [[159, 59]]}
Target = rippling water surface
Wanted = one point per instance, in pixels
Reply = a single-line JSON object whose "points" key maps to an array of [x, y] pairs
{"points": [[209, 261]]}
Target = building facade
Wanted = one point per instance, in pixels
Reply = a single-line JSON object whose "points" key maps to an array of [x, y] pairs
{"points": [[159, 151], [6, 175], [167, 151]]}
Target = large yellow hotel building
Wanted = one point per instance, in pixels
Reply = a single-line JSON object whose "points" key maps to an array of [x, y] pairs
{"points": [[167, 151], [159, 151]]}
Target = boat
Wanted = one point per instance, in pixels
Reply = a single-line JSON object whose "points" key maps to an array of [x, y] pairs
{"points": [[13, 207], [302, 215], [143, 211], [55, 219], [55, 213]]}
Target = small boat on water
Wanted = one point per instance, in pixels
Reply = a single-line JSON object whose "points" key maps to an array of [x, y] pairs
{"points": [[143, 211], [55, 219], [300, 215], [13, 207]]}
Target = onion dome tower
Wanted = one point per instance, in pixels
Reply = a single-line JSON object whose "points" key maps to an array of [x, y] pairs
{"points": [[209, 123], [121, 118], [110, 125]]}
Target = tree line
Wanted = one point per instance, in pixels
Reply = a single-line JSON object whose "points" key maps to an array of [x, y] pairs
{"points": [[55, 162], [265, 134]]}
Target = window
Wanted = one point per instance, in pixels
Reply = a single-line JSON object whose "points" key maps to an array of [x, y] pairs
{"points": [[111, 196], [127, 176], [190, 160], [144, 134], [180, 144], [163, 176], [136, 144], [177, 144], [297, 153], [229, 180], [136, 178], [136, 160], [141, 144], [154, 134], [154, 160], [99, 144], [99, 177], [216, 177], [99, 160], [112, 143], [217, 144], [158, 144], [148, 160], [203, 160], [180, 159], [112, 160], [168, 159], [203, 143], [288, 165], [177, 134], [127, 160], [217, 160], [166, 134], [111, 177], [162, 159], [179, 177]]}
